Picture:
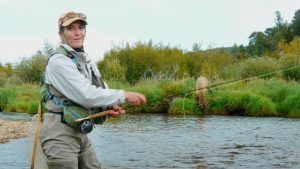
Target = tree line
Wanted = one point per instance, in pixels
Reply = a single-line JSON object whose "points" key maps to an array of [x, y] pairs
{"points": [[275, 48]]}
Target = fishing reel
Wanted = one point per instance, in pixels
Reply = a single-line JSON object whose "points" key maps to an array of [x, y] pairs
{"points": [[86, 126]]}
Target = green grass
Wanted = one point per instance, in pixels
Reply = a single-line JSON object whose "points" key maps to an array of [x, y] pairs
{"points": [[184, 106], [7, 95], [241, 103], [23, 98], [273, 97], [291, 105], [259, 97]]}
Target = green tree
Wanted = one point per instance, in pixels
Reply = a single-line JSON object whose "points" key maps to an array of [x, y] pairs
{"points": [[295, 25], [258, 44], [278, 19], [265, 43], [238, 52], [197, 47]]}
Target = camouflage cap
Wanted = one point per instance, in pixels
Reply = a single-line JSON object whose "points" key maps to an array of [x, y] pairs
{"points": [[69, 17]]}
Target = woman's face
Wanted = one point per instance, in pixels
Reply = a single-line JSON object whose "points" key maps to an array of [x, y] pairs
{"points": [[74, 35]]}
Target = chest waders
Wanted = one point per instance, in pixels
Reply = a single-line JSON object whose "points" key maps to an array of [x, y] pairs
{"points": [[72, 111]]}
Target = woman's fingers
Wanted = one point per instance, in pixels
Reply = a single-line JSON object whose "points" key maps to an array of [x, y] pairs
{"points": [[116, 110], [135, 98]]}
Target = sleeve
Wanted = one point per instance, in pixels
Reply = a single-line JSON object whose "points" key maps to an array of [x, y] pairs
{"points": [[63, 74]]}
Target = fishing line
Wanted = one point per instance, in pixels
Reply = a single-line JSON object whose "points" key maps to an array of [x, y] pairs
{"points": [[217, 85], [166, 101]]}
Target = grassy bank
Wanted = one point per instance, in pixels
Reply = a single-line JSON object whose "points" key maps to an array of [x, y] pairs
{"points": [[21, 98], [272, 97]]}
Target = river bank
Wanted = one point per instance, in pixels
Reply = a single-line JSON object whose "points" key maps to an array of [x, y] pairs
{"points": [[257, 97], [13, 130], [13, 126]]}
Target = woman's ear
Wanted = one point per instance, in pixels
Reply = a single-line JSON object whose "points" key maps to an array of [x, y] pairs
{"points": [[62, 37]]}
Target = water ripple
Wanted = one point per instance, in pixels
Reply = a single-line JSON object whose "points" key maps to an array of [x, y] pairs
{"points": [[154, 141]]}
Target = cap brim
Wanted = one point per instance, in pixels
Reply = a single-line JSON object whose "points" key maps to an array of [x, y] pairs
{"points": [[69, 21]]}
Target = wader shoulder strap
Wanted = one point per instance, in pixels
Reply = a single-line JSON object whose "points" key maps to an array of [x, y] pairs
{"points": [[46, 94]]}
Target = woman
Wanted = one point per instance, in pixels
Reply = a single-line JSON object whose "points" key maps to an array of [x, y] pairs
{"points": [[71, 75]]}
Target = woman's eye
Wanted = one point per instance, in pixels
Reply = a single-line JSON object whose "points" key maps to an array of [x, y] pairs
{"points": [[81, 27], [72, 28]]}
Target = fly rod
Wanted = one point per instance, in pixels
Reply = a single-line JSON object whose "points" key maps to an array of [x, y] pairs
{"points": [[92, 116]]}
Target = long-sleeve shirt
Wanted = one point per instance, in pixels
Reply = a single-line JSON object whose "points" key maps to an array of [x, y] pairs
{"points": [[75, 81]]}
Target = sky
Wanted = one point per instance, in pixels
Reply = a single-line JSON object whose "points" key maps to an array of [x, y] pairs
{"points": [[27, 25]]}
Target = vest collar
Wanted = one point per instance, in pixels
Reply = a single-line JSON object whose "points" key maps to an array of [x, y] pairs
{"points": [[81, 56]]}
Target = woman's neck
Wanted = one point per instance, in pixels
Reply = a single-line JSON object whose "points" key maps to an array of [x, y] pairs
{"points": [[79, 49]]}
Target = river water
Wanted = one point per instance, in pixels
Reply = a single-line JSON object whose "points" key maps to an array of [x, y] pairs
{"points": [[156, 141]]}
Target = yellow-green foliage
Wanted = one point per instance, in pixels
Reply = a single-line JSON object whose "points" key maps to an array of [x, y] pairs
{"points": [[257, 66], [114, 71], [145, 60], [230, 72], [6, 69], [5, 73], [209, 63], [3, 78], [252, 67], [30, 70], [290, 48], [206, 69], [288, 61], [215, 61], [290, 56]]}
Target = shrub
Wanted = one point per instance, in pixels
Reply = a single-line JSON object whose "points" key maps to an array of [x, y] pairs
{"points": [[230, 71], [114, 71], [275, 89], [257, 66], [30, 70], [291, 61]]}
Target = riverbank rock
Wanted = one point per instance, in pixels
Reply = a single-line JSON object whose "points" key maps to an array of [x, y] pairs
{"points": [[13, 130]]}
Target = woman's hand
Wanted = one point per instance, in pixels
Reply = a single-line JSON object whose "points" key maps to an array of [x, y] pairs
{"points": [[135, 98], [132, 98], [117, 110]]}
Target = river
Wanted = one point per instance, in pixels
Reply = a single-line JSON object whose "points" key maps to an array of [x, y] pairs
{"points": [[157, 141]]}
